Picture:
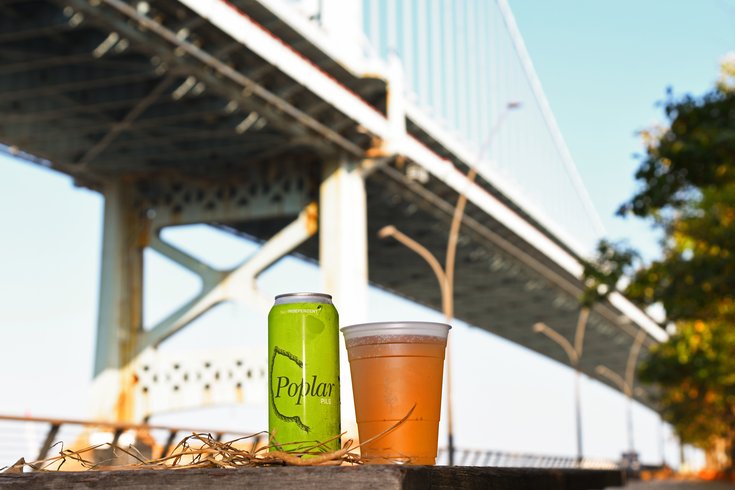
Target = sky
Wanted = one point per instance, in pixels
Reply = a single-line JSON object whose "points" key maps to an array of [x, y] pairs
{"points": [[603, 66]]}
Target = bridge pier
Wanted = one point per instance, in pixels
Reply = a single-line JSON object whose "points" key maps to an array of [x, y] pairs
{"points": [[343, 257], [129, 384], [120, 317]]}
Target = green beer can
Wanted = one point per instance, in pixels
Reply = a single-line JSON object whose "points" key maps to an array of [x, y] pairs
{"points": [[303, 371]]}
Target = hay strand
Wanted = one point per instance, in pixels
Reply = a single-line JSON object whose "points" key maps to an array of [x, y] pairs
{"points": [[201, 450]]}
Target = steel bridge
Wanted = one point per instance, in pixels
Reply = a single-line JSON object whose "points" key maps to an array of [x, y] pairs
{"points": [[38, 438], [251, 117]]}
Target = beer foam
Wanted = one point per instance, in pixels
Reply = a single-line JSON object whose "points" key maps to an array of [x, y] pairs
{"points": [[394, 339], [385, 329]]}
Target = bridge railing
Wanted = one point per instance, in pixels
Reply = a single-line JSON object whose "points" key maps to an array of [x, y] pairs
{"points": [[483, 457], [35, 439], [38, 438]]}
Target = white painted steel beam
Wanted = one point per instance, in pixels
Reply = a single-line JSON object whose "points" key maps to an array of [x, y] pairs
{"points": [[344, 55], [173, 381], [209, 296], [343, 238], [275, 107], [122, 344], [206, 273], [241, 28], [264, 44], [238, 284], [396, 110], [120, 316], [343, 258], [343, 21]]}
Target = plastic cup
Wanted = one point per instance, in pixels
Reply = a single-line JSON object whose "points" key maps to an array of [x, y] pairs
{"points": [[397, 366]]}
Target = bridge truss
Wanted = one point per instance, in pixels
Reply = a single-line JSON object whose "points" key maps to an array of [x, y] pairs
{"points": [[226, 113]]}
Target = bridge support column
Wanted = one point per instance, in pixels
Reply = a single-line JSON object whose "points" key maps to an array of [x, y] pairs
{"points": [[127, 387], [343, 258], [120, 316]]}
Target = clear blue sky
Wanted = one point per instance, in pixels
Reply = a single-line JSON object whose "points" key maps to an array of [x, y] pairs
{"points": [[603, 66]]}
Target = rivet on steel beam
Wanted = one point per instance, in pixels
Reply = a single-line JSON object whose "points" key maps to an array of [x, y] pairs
{"points": [[199, 88], [122, 45], [76, 19], [417, 173], [184, 88], [247, 123], [106, 45]]}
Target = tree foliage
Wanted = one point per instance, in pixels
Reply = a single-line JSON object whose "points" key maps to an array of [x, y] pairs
{"points": [[696, 371], [602, 274], [687, 187], [694, 153]]}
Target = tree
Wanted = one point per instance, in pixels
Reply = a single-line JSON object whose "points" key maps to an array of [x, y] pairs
{"points": [[687, 178], [688, 189], [602, 274], [695, 369]]}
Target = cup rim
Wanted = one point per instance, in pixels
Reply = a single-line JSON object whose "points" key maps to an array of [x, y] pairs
{"points": [[418, 328]]}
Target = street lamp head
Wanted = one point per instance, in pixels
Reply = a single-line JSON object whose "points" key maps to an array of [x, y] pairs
{"points": [[387, 231], [539, 327]]}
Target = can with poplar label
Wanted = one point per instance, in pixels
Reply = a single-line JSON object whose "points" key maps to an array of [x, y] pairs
{"points": [[303, 372]]}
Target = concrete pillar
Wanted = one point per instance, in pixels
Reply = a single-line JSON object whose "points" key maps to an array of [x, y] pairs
{"points": [[343, 259], [120, 316]]}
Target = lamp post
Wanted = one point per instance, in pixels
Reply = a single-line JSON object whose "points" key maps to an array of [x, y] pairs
{"points": [[600, 278], [574, 353], [447, 308], [662, 440], [626, 384], [445, 275]]}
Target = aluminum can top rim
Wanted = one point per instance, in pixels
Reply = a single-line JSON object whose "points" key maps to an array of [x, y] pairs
{"points": [[303, 298]]}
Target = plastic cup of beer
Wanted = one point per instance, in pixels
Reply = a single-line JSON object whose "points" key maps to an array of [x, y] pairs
{"points": [[397, 366]]}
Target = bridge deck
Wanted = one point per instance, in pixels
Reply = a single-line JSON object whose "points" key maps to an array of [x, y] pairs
{"points": [[102, 91]]}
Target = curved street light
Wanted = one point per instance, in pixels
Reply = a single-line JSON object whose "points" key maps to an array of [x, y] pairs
{"points": [[626, 384], [393, 232], [574, 353], [445, 275]]}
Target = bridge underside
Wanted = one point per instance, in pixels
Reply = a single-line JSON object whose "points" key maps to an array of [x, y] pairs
{"points": [[91, 90]]}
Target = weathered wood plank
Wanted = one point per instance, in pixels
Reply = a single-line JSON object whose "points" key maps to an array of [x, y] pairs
{"points": [[324, 478], [509, 478]]}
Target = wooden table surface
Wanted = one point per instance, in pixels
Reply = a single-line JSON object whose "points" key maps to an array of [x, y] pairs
{"points": [[325, 478]]}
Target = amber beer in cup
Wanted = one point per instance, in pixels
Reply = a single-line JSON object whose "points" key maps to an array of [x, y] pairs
{"points": [[396, 367]]}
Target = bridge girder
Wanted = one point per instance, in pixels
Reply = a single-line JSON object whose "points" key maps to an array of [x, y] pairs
{"points": [[139, 111]]}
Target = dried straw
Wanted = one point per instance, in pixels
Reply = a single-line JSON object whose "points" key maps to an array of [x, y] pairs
{"points": [[201, 450]]}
